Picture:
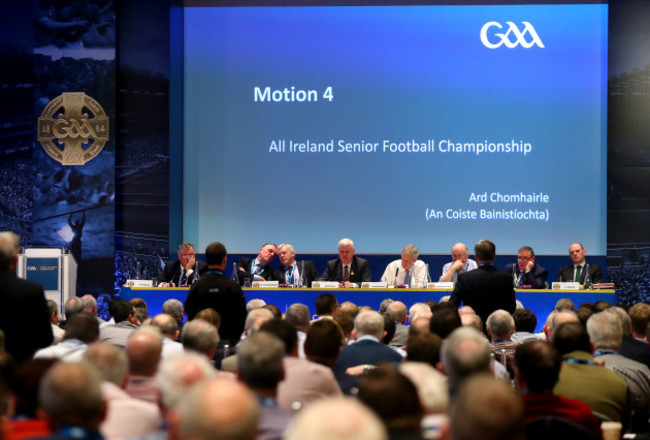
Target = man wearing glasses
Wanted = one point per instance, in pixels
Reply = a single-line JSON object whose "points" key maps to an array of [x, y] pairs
{"points": [[526, 273], [184, 271]]}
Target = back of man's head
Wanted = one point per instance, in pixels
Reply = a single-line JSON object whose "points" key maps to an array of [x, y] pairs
{"points": [[215, 253], [255, 319], [260, 361], [485, 250], [393, 397], [284, 332], [464, 353], [445, 320], [525, 320], [110, 362], [89, 304], [166, 324], [324, 340], [298, 315], [564, 304], [431, 385], [354, 421], [9, 248], [177, 374], [83, 327], [571, 336], [174, 308], [640, 316], [397, 310], [605, 330], [538, 363], [424, 348], [486, 409], [200, 336], [217, 409], [120, 310], [210, 315], [326, 304], [71, 395], [72, 306], [144, 349], [500, 324], [369, 323]]}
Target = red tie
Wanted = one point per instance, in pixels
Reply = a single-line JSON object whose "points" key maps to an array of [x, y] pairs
{"points": [[346, 274]]}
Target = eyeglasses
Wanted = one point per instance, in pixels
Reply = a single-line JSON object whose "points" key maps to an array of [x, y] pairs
{"points": [[186, 255]]}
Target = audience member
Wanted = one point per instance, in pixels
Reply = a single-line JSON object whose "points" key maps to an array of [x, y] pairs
{"points": [[57, 331], [298, 316], [254, 321], [327, 306], [90, 306], [445, 320], [275, 310], [464, 353], [525, 324], [144, 350], [72, 306], [201, 337], [634, 344], [397, 311], [564, 304], [420, 323], [424, 348], [254, 304], [123, 313], [349, 307], [500, 327], [82, 330], [433, 393], [169, 331], [174, 308]]}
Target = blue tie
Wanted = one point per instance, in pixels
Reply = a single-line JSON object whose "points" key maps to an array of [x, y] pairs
{"points": [[407, 278]]}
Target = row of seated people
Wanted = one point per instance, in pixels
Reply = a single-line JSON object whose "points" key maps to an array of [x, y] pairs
{"points": [[350, 270], [430, 371]]}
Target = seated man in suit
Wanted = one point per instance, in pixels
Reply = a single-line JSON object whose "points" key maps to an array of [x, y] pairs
{"points": [[292, 272], [257, 269], [460, 263], [487, 288], [408, 271], [577, 271], [526, 271], [347, 269], [185, 270]]}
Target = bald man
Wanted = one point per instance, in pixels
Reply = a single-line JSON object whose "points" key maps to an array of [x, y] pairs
{"points": [[459, 263]]}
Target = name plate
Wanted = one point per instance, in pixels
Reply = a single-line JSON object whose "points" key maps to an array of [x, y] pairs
{"points": [[373, 285], [573, 285], [448, 285], [265, 284], [139, 283], [325, 284]]}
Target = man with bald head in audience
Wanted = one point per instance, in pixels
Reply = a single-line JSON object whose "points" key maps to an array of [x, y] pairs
{"points": [[397, 311], [169, 331], [144, 350]]}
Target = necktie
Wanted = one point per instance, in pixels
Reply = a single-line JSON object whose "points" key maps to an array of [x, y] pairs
{"points": [[578, 273], [346, 273], [407, 278], [183, 278]]}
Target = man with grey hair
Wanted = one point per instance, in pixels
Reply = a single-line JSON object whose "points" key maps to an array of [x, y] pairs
{"points": [[260, 366], [407, 271], [81, 331], [367, 349], [70, 395], [397, 311], [292, 272], [500, 327], [298, 315], [460, 263], [90, 306], [557, 317], [169, 331], [201, 337], [354, 421], [176, 376], [606, 334], [57, 331], [184, 271], [17, 297], [464, 353], [254, 321], [217, 409], [348, 269], [72, 306], [255, 304], [174, 308], [126, 416]]}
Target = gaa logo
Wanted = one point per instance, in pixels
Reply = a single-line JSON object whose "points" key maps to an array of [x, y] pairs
{"points": [[520, 37], [73, 128]]}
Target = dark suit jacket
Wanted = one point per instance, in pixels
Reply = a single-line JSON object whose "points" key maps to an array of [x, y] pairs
{"points": [[244, 271], [172, 272], [566, 274], [635, 350], [365, 352], [24, 316], [307, 270], [224, 296], [535, 278], [485, 289], [359, 271]]}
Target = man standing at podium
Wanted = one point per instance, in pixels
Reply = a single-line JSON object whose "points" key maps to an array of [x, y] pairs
{"points": [[577, 271], [347, 269], [24, 334], [184, 271]]}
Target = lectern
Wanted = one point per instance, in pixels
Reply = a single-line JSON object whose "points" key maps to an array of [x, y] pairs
{"points": [[53, 268]]}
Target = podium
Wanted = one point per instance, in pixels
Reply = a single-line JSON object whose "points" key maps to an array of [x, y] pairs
{"points": [[52, 268]]}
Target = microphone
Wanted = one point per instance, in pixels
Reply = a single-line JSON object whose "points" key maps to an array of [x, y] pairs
{"points": [[396, 272], [302, 274]]}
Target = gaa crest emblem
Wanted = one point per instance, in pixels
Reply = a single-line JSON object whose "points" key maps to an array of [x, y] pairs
{"points": [[73, 128]]}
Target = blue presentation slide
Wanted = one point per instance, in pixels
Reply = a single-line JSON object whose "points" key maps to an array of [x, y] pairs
{"points": [[423, 124]]}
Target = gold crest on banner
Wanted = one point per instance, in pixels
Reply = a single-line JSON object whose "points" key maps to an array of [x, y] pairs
{"points": [[78, 123]]}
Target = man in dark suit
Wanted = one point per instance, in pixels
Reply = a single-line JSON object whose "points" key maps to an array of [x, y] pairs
{"points": [[487, 288], [367, 350], [214, 290], [526, 271], [257, 269], [348, 270], [577, 271], [185, 270], [24, 315], [292, 272]]}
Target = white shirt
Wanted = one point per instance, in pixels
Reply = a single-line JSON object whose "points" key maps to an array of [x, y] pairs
{"points": [[469, 265], [70, 350], [395, 274]]}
